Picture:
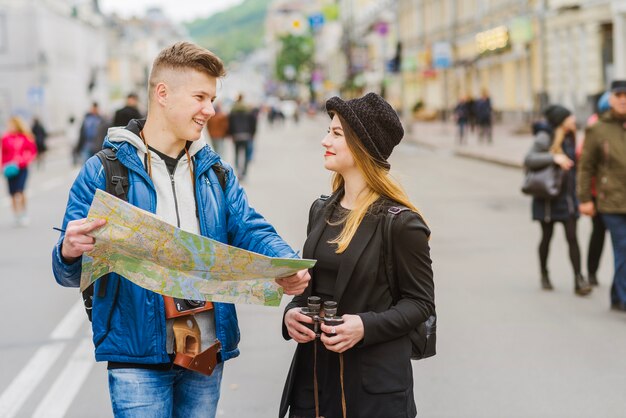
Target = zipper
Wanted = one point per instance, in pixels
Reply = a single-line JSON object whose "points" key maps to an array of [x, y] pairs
{"points": [[175, 199]]}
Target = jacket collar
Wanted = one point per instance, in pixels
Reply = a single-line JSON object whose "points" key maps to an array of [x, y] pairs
{"points": [[126, 142]]}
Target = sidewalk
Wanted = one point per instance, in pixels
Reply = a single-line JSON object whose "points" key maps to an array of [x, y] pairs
{"points": [[508, 148]]}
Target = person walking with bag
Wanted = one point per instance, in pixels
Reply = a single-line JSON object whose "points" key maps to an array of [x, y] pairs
{"points": [[18, 150], [555, 143], [361, 368]]}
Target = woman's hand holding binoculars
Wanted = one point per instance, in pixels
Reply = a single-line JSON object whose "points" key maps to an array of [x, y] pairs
{"points": [[345, 336], [295, 322]]}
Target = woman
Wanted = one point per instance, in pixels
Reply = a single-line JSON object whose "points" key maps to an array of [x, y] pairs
{"points": [[18, 151], [345, 236], [555, 143]]}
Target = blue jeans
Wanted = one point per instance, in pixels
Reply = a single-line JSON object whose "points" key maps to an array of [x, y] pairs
{"points": [[616, 224], [143, 393]]}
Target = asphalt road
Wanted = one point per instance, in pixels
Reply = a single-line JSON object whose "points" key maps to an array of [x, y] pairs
{"points": [[505, 348]]}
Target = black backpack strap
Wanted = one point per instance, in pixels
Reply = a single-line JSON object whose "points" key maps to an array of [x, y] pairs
{"points": [[318, 205], [221, 173], [115, 172], [388, 249], [424, 337]]}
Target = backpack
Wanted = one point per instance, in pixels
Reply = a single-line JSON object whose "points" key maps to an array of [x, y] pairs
{"points": [[424, 336], [117, 184]]}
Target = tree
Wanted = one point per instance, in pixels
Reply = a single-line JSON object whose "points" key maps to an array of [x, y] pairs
{"points": [[295, 59]]}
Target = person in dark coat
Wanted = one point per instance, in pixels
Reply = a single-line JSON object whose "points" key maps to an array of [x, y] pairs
{"points": [[128, 112], [482, 113], [461, 116], [362, 368], [40, 134], [242, 123], [555, 143]]}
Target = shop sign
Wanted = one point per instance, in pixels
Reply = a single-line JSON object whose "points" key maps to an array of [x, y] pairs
{"points": [[492, 40], [442, 55], [521, 30]]}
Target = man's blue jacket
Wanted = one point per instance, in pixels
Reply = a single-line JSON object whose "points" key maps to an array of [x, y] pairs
{"points": [[129, 322]]}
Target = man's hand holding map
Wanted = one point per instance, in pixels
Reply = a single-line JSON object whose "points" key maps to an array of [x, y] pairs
{"points": [[162, 258]]}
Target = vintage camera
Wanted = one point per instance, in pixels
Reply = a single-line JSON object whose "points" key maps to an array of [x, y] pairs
{"points": [[175, 307], [328, 314]]}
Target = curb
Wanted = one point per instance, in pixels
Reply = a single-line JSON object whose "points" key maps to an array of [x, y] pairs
{"points": [[489, 159], [470, 154]]}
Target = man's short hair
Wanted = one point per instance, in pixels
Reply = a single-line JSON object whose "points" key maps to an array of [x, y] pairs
{"points": [[186, 55]]}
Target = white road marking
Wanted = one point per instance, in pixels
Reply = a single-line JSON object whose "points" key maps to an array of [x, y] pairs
{"points": [[60, 396], [53, 183], [35, 370]]}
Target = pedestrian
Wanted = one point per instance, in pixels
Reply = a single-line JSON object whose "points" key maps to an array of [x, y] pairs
{"points": [[40, 134], [175, 176], [241, 128], [18, 150], [88, 133], [598, 229], [128, 112], [604, 158], [217, 127], [555, 143], [72, 132], [366, 361], [461, 115], [482, 113], [471, 113]]}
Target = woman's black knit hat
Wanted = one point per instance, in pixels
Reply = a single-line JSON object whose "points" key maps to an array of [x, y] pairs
{"points": [[556, 114], [374, 121]]}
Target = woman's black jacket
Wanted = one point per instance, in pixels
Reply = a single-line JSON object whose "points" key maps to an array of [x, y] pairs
{"points": [[565, 205], [378, 373]]}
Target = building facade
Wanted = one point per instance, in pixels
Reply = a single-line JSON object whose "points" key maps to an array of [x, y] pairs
{"points": [[52, 60], [459, 48], [585, 50]]}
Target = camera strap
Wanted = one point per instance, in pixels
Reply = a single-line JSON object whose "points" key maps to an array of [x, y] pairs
{"points": [[315, 386]]}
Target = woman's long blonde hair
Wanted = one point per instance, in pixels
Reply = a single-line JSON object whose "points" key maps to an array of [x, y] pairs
{"points": [[21, 127], [379, 183], [559, 136]]}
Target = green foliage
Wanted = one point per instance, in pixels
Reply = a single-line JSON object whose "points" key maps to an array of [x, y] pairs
{"points": [[233, 32], [296, 52]]}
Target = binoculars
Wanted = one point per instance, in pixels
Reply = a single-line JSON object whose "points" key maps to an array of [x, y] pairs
{"points": [[327, 315]]}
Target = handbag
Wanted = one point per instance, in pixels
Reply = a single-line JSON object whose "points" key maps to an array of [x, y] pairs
{"points": [[543, 183], [10, 170]]}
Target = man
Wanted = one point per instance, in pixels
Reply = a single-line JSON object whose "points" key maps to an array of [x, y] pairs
{"points": [[89, 133], [165, 161], [482, 113], [128, 112], [242, 127], [604, 157]]}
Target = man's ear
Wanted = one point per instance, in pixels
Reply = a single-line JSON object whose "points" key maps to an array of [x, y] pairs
{"points": [[161, 92]]}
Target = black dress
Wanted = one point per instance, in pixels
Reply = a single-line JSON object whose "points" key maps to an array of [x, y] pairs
{"points": [[328, 378]]}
